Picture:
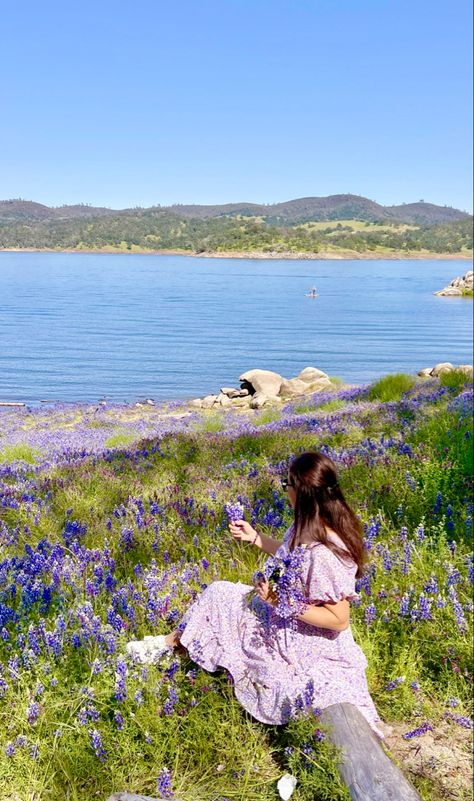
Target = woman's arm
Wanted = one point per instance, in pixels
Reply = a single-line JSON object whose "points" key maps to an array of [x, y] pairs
{"points": [[329, 616], [243, 531]]}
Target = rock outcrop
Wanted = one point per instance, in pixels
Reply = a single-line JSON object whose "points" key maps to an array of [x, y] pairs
{"points": [[458, 286], [259, 388], [446, 367]]}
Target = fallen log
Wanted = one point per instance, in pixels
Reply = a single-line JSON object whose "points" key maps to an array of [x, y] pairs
{"points": [[132, 797], [366, 769], [11, 403]]}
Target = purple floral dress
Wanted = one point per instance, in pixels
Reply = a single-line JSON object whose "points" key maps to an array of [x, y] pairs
{"points": [[280, 666]]}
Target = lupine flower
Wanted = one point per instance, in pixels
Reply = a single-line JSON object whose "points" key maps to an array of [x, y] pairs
{"points": [[96, 742], [392, 685], [32, 713], [234, 511], [418, 732], [164, 786], [370, 614]]}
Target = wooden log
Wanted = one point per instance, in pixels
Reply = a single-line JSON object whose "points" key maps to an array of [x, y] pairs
{"points": [[365, 767], [131, 797], [11, 403]]}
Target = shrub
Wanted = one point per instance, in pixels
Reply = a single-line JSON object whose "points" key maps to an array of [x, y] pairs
{"points": [[391, 387]]}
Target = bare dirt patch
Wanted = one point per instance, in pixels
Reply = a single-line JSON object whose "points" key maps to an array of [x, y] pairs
{"points": [[442, 756]]}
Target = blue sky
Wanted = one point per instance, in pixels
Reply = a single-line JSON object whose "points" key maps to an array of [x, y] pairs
{"points": [[137, 103]]}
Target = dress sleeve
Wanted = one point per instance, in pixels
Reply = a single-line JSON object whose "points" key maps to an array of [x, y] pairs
{"points": [[327, 578]]}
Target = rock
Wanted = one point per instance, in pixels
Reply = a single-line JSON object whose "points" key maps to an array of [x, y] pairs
{"points": [[319, 385], [311, 374], [209, 401], [223, 400], [467, 369], [241, 403], [426, 372], [245, 386], [132, 797], [449, 290], [458, 285], [443, 367], [231, 392], [197, 402], [263, 381], [292, 387], [259, 399]]}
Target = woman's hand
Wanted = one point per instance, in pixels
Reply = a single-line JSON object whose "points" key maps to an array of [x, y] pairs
{"points": [[265, 592], [243, 531]]}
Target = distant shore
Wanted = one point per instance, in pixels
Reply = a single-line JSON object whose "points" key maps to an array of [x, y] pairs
{"points": [[339, 255]]}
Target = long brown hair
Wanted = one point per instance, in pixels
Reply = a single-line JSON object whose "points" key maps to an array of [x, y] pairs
{"points": [[320, 503]]}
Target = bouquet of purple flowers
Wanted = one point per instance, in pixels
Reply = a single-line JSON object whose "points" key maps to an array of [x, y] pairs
{"points": [[234, 511], [283, 573]]}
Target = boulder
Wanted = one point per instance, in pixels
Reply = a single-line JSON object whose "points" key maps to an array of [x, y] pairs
{"points": [[292, 387], [458, 284], [263, 381], [260, 399], [231, 392], [197, 402], [209, 401], [467, 369], [241, 403], [443, 367], [311, 374], [426, 372], [319, 385], [223, 400]]}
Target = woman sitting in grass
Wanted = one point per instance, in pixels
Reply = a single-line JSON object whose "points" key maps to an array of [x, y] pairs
{"points": [[287, 641]]}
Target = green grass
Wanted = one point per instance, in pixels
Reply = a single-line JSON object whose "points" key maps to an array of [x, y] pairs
{"points": [[455, 379], [391, 387], [121, 438], [210, 739], [20, 453], [268, 415]]}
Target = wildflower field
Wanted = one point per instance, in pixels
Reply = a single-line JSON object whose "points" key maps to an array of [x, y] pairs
{"points": [[112, 520]]}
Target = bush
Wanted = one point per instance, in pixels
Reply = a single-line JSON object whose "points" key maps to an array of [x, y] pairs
{"points": [[455, 379], [391, 387]]}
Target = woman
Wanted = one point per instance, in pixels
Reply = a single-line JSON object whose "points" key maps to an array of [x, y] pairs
{"points": [[280, 665]]}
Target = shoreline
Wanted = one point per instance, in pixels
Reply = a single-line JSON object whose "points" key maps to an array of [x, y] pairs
{"points": [[343, 255]]}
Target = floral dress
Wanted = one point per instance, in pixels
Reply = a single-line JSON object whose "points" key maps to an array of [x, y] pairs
{"points": [[281, 666]]}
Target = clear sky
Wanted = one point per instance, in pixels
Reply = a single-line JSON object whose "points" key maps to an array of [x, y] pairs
{"points": [[121, 103]]}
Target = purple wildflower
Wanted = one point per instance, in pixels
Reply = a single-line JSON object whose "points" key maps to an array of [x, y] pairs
{"points": [[164, 787], [234, 511], [419, 731], [96, 742], [370, 614]]}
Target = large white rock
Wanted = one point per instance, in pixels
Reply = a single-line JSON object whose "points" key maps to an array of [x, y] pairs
{"points": [[209, 401], [197, 402], [292, 387], [223, 400], [426, 372], [260, 399], [311, 374], [319, 385], [442, 367], [263, 381], [467, 369]]}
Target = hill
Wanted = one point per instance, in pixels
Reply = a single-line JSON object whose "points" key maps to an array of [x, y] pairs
{"points": [[306, 209], [344, 225]]}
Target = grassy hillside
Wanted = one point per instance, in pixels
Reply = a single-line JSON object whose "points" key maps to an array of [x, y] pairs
{"points": [[157, 229], [111, 521]]}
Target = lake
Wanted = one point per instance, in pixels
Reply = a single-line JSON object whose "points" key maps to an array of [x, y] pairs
{"points": [[78, 327]]}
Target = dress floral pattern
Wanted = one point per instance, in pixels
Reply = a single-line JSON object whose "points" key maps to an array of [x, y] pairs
{"points": [[280, 666]]}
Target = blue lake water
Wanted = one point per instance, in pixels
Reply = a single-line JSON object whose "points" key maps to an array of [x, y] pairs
{"points": [[78, 327]]}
